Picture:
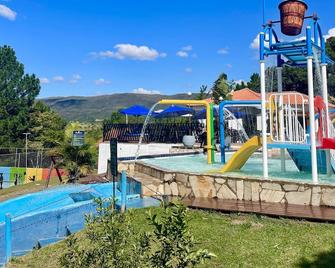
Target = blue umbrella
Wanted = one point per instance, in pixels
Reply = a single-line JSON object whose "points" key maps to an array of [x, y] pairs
{"points": [[174, 111], [136, 110], [202, 113]]}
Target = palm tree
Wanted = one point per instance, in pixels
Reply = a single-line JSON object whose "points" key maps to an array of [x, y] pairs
{"points": [[203, 92], [76, 160]]}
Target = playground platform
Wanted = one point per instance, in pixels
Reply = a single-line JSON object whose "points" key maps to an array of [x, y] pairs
{"points": [[311, 213]]}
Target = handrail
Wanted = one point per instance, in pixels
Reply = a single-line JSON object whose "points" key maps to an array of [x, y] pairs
{"points": [[222, 119]]}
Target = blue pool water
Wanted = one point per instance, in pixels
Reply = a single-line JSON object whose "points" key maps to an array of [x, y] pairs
{"points": [[253, 167], [47, 216]]}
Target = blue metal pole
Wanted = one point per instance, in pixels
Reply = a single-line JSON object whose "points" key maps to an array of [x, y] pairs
{"points": [[222, 137], [316, 36], [8, 237], [264, 13], [123, 190], [309, 41], [222, 120], [261, 45]]}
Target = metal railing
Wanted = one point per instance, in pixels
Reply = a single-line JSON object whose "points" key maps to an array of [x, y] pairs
{"points": [[155, 132], [285, 110]]}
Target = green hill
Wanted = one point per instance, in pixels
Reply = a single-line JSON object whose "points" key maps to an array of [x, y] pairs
{"points": [[100, 107]]}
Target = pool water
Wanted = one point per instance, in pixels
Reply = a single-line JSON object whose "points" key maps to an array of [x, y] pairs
{"points": [[47, 216], [253, 167]]}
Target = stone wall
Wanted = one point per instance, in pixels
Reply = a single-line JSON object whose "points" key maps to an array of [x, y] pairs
{"points": [[233, 188]]}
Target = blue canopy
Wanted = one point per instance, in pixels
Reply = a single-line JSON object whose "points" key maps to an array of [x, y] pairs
{"points": [[174, 111], [202, 113], [136, 110]]}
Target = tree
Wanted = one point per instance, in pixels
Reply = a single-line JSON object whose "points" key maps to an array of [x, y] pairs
{"points": [[46, 126], [220, 88], [17, 95], [78, 161], [330, 47], [202, 93], [241, 85], [255, 82], [295, 79]]}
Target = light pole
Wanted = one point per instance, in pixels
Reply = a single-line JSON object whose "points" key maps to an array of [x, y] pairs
{"points": [[26, 134]]}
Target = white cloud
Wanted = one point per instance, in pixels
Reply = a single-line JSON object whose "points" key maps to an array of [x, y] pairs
{"points": [[58, 78], [223, 51], [7, 13], [44, 80], [255, 43], [129, 51], [187, 48], [75, 79], [228, 65], [188, 70], [141, 90], [102, 81], [331, 33], [182, 54]]}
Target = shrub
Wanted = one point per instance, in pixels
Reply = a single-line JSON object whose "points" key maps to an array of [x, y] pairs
{"points": [[110, 241]]}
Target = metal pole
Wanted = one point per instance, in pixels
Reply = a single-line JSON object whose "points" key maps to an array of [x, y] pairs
{"points": [[281, 116], [314, 162], [123, 191], [264, 124], [26, 147], [263, 12], [327, 120], [8, 237], [311, 119]]}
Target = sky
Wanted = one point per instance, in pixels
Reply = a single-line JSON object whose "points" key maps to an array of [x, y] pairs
{"points": [[90, 47]]}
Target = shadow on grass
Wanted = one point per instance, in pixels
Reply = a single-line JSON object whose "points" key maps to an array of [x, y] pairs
{"points": [[323, 259]]}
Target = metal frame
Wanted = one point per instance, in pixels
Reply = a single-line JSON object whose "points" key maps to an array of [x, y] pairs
{"points": [[222, 120], [296, 53]]}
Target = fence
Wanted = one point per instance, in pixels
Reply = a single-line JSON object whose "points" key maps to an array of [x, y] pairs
{"points": [[50, 216], [155, 132]]}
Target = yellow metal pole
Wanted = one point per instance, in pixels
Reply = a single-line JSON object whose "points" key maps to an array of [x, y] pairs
{"points": [[208, 120]]}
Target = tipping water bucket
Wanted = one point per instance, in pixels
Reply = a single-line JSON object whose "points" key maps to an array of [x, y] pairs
{"points": [[292, 14]]}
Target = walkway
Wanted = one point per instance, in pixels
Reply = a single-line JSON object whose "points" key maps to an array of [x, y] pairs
{"points": [[324, 214]]}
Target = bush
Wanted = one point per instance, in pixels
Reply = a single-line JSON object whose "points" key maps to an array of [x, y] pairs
{"points": [[110, 241]]}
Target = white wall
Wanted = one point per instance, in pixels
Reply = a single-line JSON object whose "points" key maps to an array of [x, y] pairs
{"points": [[129, 150]]}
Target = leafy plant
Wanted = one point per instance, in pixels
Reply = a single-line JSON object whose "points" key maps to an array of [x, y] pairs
{"points": [[77, 160], [110, 240], [173, 244]]}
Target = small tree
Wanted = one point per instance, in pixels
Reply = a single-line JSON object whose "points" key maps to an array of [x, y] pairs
{"points": [[110, 240], [172, 242], [202, 93], [220, 88], [76, 160]]}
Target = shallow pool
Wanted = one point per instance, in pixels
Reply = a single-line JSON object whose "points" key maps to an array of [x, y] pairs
{"points": [[49, 216], [253, 168]]}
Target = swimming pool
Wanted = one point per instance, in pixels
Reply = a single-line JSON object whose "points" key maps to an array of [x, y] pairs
{"points": [[253, 167], [48, 216]]}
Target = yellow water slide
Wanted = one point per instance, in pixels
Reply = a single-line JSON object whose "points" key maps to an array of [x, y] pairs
{"points": [[239, 158]]}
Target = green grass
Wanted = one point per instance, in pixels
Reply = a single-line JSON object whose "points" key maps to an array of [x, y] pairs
{"points": [[27, 188], [237, 240]]}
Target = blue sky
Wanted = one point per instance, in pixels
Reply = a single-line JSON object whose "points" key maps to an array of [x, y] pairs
{"points": [[87, 47]]}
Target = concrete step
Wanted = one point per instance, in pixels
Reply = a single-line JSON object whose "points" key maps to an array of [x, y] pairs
{"points": [[150, 186]]}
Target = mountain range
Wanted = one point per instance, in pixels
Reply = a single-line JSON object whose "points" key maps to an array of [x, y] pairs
{"points": [[92, 108]]}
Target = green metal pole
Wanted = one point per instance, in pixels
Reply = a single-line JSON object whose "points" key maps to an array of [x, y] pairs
{"points": [[212, 134]]}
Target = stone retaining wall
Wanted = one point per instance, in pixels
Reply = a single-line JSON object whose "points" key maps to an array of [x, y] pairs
{"points": [[233, 188]]}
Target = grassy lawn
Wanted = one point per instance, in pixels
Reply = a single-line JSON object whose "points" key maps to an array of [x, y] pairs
{"points": [[27, 188], [238, 241]]}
